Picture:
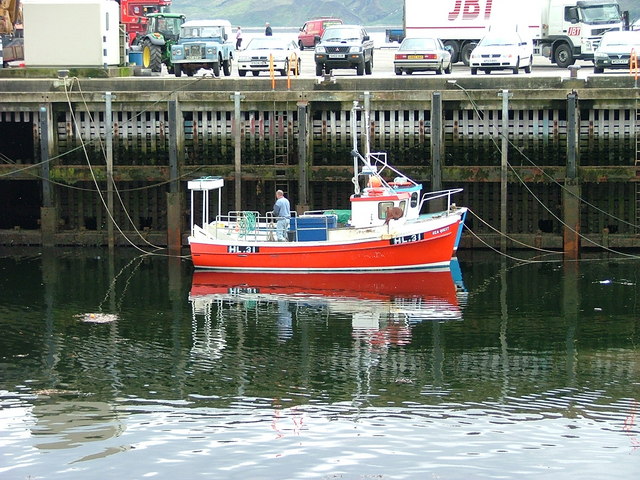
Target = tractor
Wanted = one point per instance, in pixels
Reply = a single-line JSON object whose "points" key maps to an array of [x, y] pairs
{"points": [[163, 30]]}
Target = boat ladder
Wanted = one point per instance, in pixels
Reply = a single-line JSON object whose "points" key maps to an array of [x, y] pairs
{"points": [[280, 137]]}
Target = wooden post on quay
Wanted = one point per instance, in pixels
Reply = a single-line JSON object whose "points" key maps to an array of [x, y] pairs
{"points": [[176, 147], [504, 169], [108, 129], [437, 149], [303, 157], [48, 211], [237, 135], [572, 191]]}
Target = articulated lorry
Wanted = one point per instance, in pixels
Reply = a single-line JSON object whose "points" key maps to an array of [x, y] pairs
{"points": [[562, 30]]}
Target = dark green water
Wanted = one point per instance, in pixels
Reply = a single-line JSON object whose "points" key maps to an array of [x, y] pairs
{"points": [[118, 368]]}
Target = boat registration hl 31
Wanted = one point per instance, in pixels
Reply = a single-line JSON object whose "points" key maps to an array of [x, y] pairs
{"points": [[416, 237], [242, 249]]}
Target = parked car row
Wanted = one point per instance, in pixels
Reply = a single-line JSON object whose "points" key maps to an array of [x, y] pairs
{"points": [[206, 44]]}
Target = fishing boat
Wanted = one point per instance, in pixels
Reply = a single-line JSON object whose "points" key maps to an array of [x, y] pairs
{"points": [[414, 296], [387, 227]]}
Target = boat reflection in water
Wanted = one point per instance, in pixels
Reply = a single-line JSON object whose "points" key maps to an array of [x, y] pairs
{"points": [[381, 306]]}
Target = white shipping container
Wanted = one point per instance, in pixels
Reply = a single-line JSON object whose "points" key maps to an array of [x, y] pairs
{"points": [[71, 33]]}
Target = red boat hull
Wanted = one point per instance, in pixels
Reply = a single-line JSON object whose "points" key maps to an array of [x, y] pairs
{"points": [[428, 249]]}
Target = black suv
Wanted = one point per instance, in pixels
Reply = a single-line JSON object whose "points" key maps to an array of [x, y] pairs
{"points": [[344, 46]]}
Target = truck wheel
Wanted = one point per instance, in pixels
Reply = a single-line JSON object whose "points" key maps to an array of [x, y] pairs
{"points": [[226, 67], [454, 48], [177, 70], [216, 69], [465, 53], [564, 56], [360, 68], [151, 56], [318, 69]]}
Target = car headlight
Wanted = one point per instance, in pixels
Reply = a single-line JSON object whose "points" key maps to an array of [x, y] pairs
{"points": [[244, 59], [320, 49], [600, 55], [177, 52], [355, 49], [211, 50]]}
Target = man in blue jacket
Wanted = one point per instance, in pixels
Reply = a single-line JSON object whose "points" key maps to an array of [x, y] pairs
{"points": [[282, 211]]}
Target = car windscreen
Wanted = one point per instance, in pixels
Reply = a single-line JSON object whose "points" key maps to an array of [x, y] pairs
{"points": [[196, 32], [266, 44], [336, 34], [619, 39], [418, 44], [499, 40]]}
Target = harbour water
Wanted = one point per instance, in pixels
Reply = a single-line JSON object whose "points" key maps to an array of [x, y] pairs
{"points": [[132, 367]]}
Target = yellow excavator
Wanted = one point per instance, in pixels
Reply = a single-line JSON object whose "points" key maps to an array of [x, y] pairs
{"points": [[11, 41]]}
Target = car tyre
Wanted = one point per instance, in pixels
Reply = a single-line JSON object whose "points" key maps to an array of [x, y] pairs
{"points": [[527, 69], [598, 70], [255, 73], [360, 68], [439, 70], [283, 72], [516, 68], [368, 67], [474, 71], [448, 69], [300, 45], [216, 69], [319, 69], [398, 71], [242, 73], [226, 67], [177, 70]]}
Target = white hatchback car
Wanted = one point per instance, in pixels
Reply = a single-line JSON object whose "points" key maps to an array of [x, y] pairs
{"points": [[502, 50]]}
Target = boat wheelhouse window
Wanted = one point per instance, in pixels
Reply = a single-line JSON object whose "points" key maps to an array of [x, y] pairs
{"points": [[382, 209], [383, 206], [414, 199]]}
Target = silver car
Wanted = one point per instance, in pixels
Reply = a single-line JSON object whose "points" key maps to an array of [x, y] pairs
{"points": [[422, 55], [615, 49]]}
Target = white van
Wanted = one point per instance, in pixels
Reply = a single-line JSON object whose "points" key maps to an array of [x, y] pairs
{"points": [[503, 50]]}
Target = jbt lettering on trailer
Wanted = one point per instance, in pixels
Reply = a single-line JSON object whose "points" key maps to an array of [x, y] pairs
{"points": [[470, 10], [242, 249], [416, 237]]}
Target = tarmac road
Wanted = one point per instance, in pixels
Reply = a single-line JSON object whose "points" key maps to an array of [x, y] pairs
{"points": [[383, 68]]}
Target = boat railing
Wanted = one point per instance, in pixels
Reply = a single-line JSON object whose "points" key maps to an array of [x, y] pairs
{"points": [[429, 196], [253, 227]]}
